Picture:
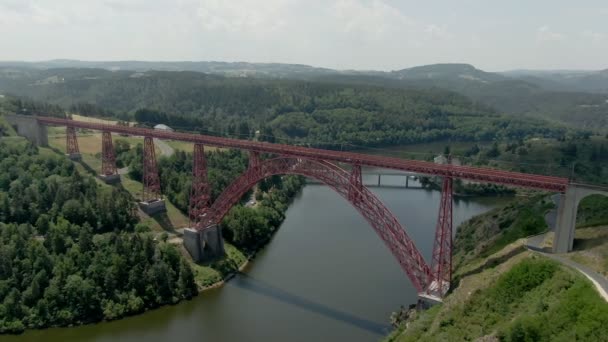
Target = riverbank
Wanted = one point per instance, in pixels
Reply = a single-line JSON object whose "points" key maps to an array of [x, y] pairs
{"points": [[273, 202]]}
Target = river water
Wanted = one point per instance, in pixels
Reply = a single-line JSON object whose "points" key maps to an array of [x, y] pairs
{"points": [[325, 276]]}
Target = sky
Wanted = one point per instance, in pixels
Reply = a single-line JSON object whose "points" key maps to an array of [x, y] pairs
{"points": [[494, 35]]}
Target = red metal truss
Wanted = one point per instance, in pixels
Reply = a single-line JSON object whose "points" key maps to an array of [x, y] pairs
{"points": [[151, 180], [108, 159], [356, 184], [371, 208], [71, 141], [548, 183], [441, 264], [254, 159], [199, 193]]}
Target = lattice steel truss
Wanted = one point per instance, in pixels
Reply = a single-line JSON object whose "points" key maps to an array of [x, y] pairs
{"points": [[441, 264], [151, 189], [108, 158], [373, 210], [200, 191], [71, 141], [356, 184]]}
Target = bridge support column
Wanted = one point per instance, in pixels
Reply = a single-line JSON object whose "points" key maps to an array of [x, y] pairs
{"points": [[152, 201], [29, 127], [441, 266], [356, 184], [566, 215], [108, 174], [72, 150], [199, 193], [204, 245]]}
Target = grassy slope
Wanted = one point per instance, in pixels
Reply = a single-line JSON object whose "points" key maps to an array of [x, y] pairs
{"points": [[526, 298], [488, 233], [591, 248], [564, 303]]}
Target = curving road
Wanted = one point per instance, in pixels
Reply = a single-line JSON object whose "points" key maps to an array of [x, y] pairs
{"points": [[535, 243]]}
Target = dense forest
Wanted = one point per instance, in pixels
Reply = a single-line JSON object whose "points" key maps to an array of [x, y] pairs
{"points": [[325, 114], [55, 267]]}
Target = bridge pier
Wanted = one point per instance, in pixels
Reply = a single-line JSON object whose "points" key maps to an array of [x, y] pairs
{"points": [[109, 173], [566, 215], [30, 128], [204, 245]]}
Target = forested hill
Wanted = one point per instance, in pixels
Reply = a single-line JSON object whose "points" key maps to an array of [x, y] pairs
{"points": [[317, 113], [578, 99]]}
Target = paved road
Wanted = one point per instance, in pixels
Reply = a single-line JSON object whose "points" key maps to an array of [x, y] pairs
{"points": [[600, 282], [534, 243]]}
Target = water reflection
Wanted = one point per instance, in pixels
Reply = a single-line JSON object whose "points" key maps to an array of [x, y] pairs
{"points": [[260, 287]]}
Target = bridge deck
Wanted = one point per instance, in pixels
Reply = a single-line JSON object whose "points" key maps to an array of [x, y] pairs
{"points": [[464, 172]]}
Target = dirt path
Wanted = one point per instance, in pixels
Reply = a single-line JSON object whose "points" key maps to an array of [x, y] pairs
{"points": [[165, 149]]}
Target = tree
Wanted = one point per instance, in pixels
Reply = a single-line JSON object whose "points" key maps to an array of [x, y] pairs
{"points": [[494, 151], [42, 224]]}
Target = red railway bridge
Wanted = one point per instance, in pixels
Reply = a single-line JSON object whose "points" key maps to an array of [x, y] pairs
{"points": [[204, 236]]}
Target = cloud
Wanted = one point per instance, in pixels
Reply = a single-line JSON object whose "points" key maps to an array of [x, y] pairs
{"points": [[246, 17], [545, 34], [375, 18], [436, 32], [593, 36], [361, 34]]}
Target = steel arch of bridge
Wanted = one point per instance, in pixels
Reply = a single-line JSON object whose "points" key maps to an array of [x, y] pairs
{"points": [[367, 204]]}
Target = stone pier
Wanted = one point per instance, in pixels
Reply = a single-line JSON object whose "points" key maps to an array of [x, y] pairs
{"points": [[28, 127], [74, 156], [153, 207], [204, 245], [110, 179], [566, 214]]}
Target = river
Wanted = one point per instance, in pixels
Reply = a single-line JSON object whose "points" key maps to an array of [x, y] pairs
{"points": [[325, 276]]}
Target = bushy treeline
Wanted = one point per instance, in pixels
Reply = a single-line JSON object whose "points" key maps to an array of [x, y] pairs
{"points": [[25, 106], [72, 276], [248, 227], [39, 189], [54, 269]]}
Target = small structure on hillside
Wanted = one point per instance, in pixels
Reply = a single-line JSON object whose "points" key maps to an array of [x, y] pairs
{"points": [[442, 159], [163, 127]]}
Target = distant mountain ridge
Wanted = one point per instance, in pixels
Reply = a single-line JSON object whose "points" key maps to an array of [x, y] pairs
{"points": [[573, 78]]}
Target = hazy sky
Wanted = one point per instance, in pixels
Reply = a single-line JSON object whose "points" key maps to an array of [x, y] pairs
{"points": [[347, 34]]}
